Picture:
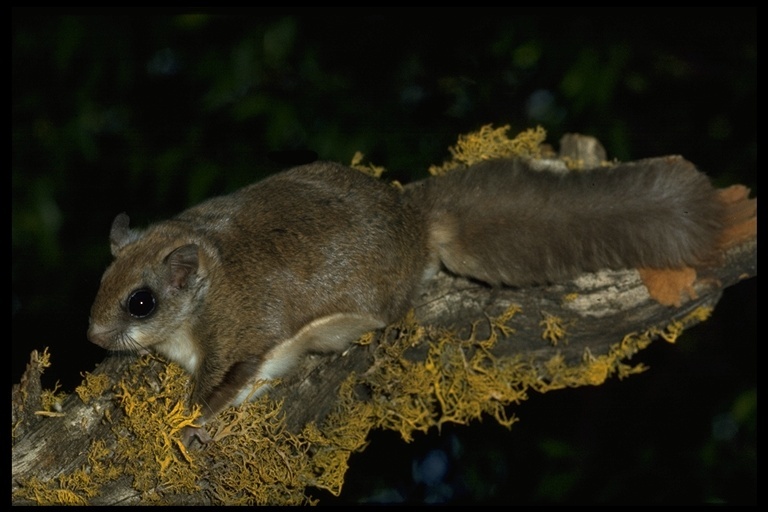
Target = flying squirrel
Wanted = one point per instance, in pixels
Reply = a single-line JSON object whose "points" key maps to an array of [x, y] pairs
{"points": [[240, 287]]}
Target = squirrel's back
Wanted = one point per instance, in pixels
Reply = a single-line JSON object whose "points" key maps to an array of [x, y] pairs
{"points": [[328, 236]]}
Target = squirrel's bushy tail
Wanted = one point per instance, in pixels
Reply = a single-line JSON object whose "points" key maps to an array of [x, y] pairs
{"points": [[503, 223]]}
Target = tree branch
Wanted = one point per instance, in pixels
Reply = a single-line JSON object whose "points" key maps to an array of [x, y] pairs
{"points": [[467, 351]]}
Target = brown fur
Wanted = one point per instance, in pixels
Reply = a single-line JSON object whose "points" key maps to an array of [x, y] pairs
{"points": [[311, 258], [503, 223]]}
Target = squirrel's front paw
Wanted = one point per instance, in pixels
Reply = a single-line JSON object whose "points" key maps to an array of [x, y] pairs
{"points": [[191, 434]]}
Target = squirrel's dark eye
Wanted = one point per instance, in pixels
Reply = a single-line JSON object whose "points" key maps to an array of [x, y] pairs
{"points": [[141, 303]]}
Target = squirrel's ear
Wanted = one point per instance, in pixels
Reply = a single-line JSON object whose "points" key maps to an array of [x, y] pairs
{"points": [[182, 263], [121, 234]]}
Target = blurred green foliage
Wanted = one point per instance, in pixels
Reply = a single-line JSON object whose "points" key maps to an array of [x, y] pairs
{"points": [[150, 114]]}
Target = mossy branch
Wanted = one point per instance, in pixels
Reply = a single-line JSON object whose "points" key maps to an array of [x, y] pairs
{"points": [[465, 352]]}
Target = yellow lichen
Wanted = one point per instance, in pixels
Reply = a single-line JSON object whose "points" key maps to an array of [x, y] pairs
{"points": [[100, 463], [499, 323], [673, 330], [372, 170], [255, 459], [570, 297], [146, 448], [43, 493], [343, 432], [73, 488], [51, 400], [460, 380], [489, 143], [592, 371], [553, 329], [148, 435], [366, 339], [93, 386], [43, 359]]}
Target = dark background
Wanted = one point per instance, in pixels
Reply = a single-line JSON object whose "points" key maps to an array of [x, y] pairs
{"points": [[150, 114]]}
